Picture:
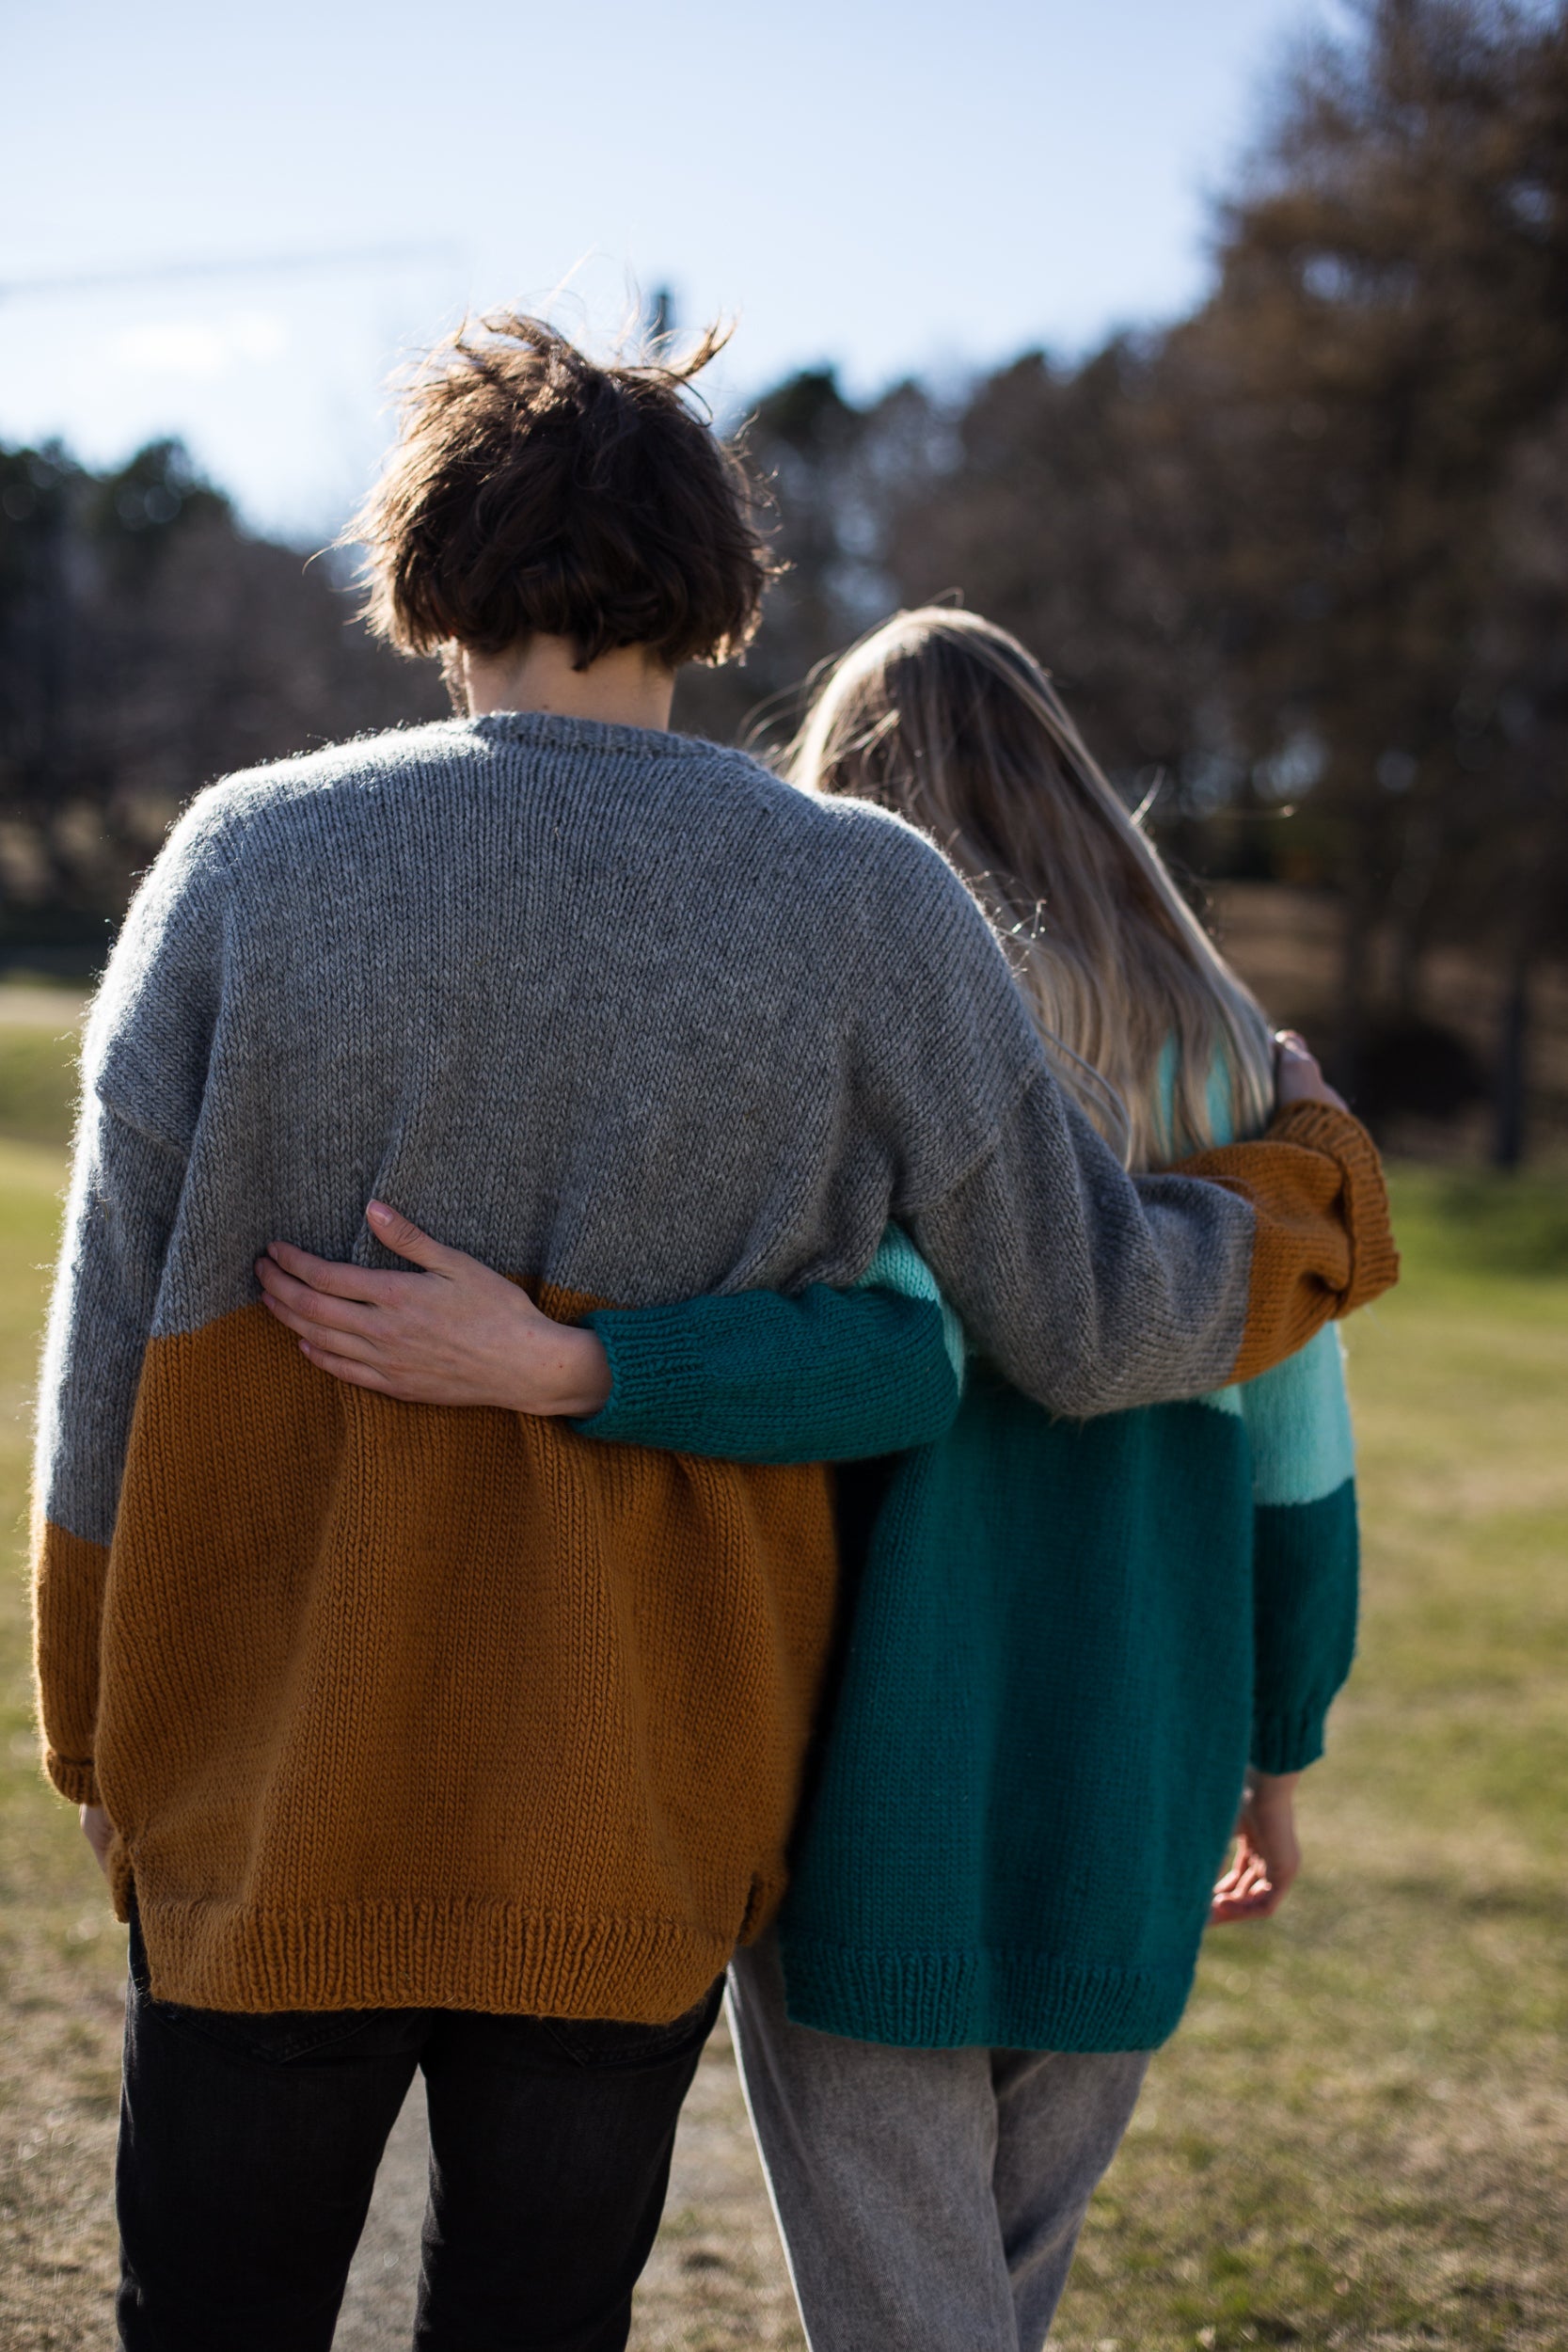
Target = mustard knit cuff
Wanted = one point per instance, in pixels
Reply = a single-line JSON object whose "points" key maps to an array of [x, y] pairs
{"points": [[76, 1781], [1374, 1259]]}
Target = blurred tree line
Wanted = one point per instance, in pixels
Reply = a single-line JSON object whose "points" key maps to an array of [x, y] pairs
{"points": [[1300, 561], [1307, 550], [147, 644]]}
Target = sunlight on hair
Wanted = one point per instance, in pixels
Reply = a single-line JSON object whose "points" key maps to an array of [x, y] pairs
{"points": [[947, 720], [536, 490]]}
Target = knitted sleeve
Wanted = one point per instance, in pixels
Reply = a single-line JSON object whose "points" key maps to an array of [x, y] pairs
{"points": [[124, 1193], [827, 1376], [1305, 1549], [1094, 1291], [143, 1061], [1091, 1291]]}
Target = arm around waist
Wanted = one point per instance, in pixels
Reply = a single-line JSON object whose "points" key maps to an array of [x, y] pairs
{"points": [[827, 1376]]}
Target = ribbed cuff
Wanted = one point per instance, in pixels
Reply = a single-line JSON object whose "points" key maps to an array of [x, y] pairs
{"points": [[653, 1369], [76, 1781], [1288, 1743], [1374, 1265]]}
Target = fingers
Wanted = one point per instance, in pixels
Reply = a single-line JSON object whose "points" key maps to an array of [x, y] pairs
{"points": [[305, 1308], [1231, 1910], [1295, 1065], [1261, 1902], [1254, 1886], [317, 1341], [1253, 1899], [349, 1368], [1298, 1076], [401, 1234], [334, 1276], [1290, 1046], [451, 1334], [1245, 1891]]}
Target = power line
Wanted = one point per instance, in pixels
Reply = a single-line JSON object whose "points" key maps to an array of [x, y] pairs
{"points": [[253, 265]]}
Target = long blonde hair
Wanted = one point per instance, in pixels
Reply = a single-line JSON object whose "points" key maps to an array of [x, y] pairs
{"points": [[944, 717]]}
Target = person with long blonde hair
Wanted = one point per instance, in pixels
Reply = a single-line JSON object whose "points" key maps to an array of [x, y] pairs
{"points": [[946, 719], [1074, 1654]]}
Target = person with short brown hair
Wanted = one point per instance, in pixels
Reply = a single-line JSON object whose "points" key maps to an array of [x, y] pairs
{"points": [[535, 492], [415, 1739]]}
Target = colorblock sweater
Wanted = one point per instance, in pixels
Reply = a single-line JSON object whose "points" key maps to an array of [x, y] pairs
{"points": [[392, 1706], [1063, 1642]]}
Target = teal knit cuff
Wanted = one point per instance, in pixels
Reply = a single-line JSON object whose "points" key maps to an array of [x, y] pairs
{"points": [[1288, 1742], [826, 1376], [658, 1378]]}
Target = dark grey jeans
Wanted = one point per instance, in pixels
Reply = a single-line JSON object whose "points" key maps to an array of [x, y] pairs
{"points": [[248, 2148], [925, 2198]]}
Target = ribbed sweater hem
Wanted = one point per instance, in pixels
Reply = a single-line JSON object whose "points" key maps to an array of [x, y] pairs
{"points": [[416, 1952], [981, 1998]]}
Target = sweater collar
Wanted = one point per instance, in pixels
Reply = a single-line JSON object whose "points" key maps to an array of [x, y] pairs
{"points": [[548, 729]]}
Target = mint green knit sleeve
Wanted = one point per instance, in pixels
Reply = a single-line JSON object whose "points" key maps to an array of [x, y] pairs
{"points": [[1305, 1547], [1306, 1550], [829, 1376]]}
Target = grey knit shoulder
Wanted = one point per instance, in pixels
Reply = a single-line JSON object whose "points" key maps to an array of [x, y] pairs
{"points": [[523, 975], [620, 1009]]}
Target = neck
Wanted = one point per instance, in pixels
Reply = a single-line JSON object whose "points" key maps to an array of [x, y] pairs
{"points": [[626, 688]]}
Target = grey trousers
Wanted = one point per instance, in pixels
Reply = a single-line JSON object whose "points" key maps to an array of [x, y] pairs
{"points": [[930, 2200]]}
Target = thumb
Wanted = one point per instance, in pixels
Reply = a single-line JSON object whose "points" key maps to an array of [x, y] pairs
{"points": [[401, 1234]]}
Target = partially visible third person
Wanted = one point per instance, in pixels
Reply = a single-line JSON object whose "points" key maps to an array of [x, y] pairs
{"points": [[1074, 1649]]}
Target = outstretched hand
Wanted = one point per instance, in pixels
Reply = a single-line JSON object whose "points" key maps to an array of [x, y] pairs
{"points": [[456, 1333], [1267, 1855]]}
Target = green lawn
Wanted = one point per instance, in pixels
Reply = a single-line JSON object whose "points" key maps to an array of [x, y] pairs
{"points": [[1360, 2136], [61, 1955], [38, 1078]]}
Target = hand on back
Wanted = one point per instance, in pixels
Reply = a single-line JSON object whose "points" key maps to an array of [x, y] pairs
{"points": [[454, 1333]]}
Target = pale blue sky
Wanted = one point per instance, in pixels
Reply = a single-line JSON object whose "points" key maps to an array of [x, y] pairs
{"points": [[890, 187]]}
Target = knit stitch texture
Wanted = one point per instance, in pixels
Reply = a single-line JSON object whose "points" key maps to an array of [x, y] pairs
{"points": [[1050, 1683], [392, 1705], [1063, 1644]]}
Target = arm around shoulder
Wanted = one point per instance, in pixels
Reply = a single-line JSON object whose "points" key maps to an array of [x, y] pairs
{"points": [[1323, 1240], [1092, 1290]]}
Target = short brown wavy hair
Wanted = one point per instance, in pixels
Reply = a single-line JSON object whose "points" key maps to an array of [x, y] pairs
{"points": [[533, 489]]}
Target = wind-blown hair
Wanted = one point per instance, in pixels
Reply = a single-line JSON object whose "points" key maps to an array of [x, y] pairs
{"points": [[533, 489], [944, 717]]}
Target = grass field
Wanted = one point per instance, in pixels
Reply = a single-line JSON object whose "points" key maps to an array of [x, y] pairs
{"points": [[1360, 2136]]}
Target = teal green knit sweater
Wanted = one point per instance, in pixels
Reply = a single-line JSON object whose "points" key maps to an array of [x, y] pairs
{"points": [[1063, 1642]]}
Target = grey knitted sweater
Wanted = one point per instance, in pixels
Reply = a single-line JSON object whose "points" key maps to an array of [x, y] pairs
{"points": [[395, 1705]]}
